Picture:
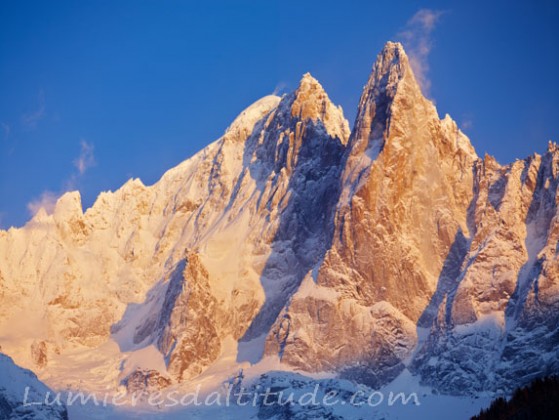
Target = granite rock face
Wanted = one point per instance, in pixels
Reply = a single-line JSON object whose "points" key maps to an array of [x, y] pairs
{"points": [[407, 185], [359, 253], [497, 328]]}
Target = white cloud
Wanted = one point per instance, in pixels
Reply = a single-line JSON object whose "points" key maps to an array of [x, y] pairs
{"points": [[86, 159], [280, 87], [82, 163], [467, 121], [467, 124], [47, 200], [417, 39], [31, 119]]}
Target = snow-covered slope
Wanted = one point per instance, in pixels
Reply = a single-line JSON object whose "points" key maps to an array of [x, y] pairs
{"points": [[23, 396], [211, 251], [292, 244]]}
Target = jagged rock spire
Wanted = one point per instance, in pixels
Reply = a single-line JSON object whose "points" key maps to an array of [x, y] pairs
{"points": [[311, 102], [391, 79]]}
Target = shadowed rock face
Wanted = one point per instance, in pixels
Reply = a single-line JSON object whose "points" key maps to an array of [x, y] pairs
{"points": [[359, 253], [407, 185], [308, 152], [500, 328], [17, 383], [429, 236], [294, 156]]}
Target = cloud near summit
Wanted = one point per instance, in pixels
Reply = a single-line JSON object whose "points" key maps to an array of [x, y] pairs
{"points": [[82, 163], [418, 41], [86, 158]]}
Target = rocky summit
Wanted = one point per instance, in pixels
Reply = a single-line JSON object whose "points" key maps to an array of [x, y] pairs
{"points": [[295, 244]]}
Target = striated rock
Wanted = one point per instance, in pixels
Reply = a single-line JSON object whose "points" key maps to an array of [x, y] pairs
{"points": [[358, 254], [187, 329], [407, 186], [494, 314]]}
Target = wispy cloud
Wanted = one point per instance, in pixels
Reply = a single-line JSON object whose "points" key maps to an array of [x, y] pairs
{"points": [[30, 120], [86, 159], [47, 201], [418, 41], [10, 140], [280, 87], [6, 128], [467, 124], [82, 163]]}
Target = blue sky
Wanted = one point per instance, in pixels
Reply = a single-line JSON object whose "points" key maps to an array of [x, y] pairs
{"points": [[92, 93]]}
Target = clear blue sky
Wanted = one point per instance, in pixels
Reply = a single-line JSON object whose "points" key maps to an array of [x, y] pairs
{"points": [[149, 83]]}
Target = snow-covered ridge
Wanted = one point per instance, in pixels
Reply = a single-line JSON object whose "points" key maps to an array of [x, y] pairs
{"points": [[292, 244]]}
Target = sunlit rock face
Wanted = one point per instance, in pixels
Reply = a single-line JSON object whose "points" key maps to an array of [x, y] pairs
{"points": [[356, 253], [498, 325], [406, 188]]}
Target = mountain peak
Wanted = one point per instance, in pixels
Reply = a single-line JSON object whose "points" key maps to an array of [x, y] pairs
{"points": [[391, 73], [309, 90], [243, 125], [262, 245], [69, 204], [394, 49], [308, 81], [311, 102], [391, 66]]}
